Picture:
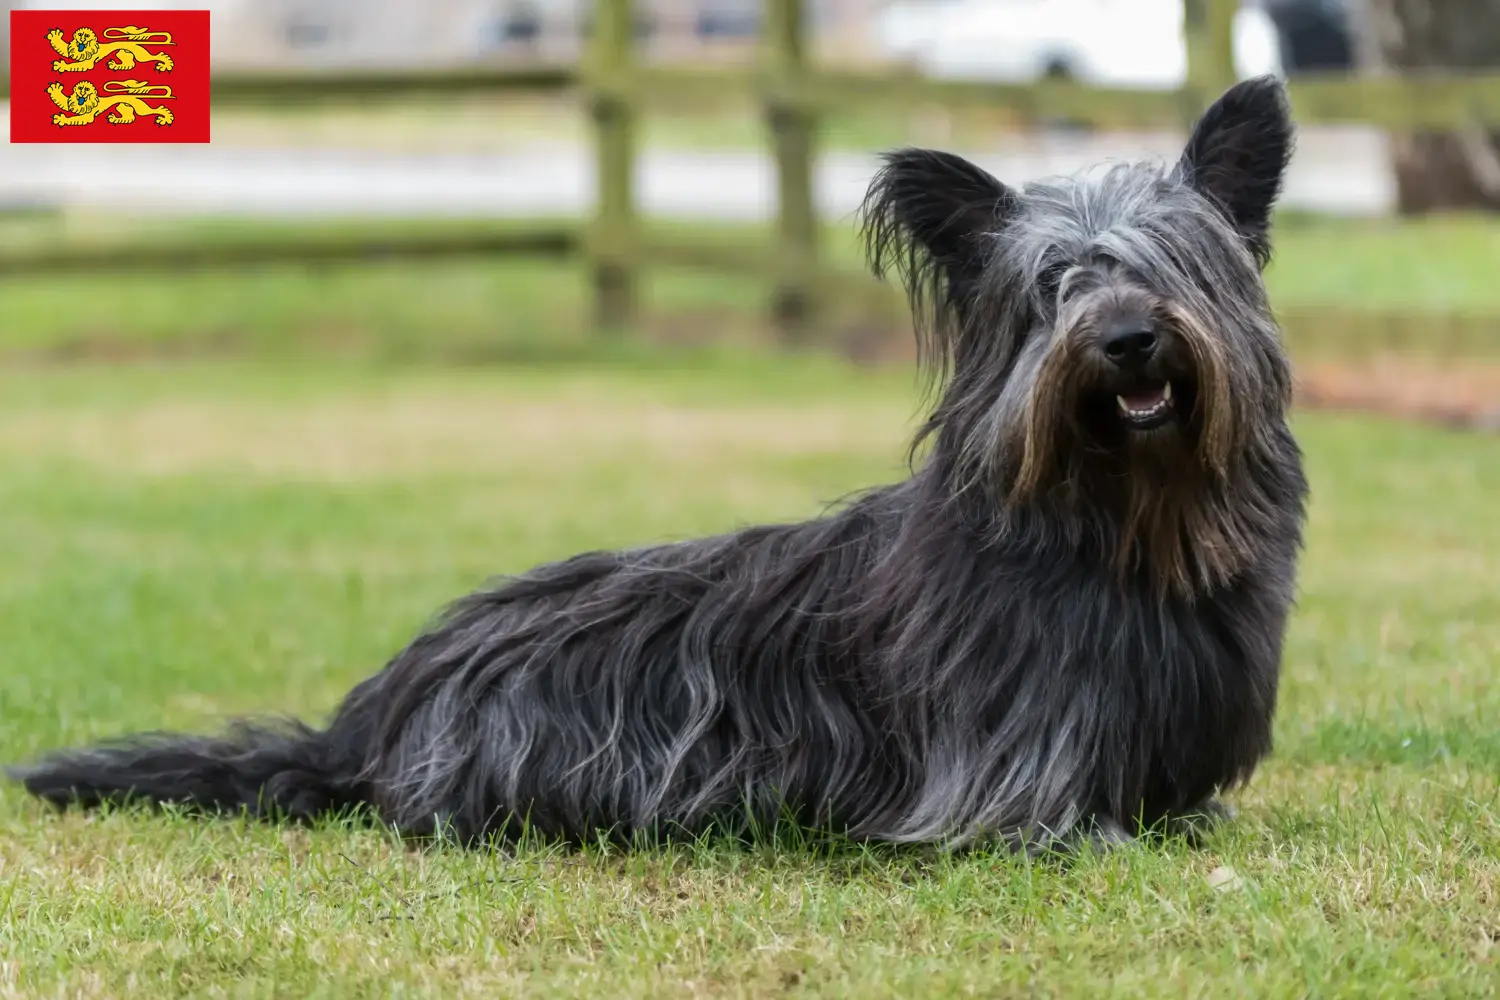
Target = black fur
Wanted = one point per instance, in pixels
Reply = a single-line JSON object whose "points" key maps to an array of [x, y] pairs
{"points": [[1238, 156], [1068, 620]]}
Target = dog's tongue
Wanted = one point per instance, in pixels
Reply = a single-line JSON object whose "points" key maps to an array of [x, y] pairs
{"points": [[1142, 399]]}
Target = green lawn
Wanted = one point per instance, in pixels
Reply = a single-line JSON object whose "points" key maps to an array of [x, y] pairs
{"points": [[189, 541]]}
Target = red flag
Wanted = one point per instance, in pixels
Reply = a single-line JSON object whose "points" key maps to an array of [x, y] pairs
{"points": [[109, 76]]}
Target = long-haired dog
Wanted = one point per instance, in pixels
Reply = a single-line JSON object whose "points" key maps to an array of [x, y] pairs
{"points": [[1067, 622]]}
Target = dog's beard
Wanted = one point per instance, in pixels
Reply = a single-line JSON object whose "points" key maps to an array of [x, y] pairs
{"points": [[1154, 454], [1081, 412]]}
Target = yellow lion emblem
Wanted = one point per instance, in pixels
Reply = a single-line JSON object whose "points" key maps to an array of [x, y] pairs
{"points": [[127, 97], [84, 51]]}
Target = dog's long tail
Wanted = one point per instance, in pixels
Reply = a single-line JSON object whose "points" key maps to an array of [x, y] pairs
{"points": [[286, 770]]}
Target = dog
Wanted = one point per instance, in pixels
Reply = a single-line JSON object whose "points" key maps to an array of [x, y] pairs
{"points": [[1066, 624]]}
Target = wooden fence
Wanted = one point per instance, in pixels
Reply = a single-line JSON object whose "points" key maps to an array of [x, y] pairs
{"points": [[793, 94]]}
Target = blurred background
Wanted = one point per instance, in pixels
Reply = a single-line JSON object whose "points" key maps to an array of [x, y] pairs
{"points": [[464, 286], [491, 179]]}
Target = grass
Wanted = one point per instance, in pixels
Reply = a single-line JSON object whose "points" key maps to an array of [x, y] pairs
{"points": [[1332, 281], [189, 541]]}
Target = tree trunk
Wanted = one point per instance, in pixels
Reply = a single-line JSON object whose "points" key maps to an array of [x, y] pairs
{"points": [[1437, 171]]}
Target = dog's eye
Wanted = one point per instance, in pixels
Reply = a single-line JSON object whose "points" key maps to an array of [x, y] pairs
{"points": [[1050, 280]]}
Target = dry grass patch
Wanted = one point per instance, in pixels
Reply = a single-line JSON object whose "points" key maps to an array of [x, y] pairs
{"points": [[1461, 392], [353, 439]]}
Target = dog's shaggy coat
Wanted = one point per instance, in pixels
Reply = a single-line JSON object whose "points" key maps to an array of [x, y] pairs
{"points": [[1068, 620]]}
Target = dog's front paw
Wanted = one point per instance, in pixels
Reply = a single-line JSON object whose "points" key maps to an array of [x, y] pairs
{"points": [[1198, 822], [1103, 834], [1096, 834]]}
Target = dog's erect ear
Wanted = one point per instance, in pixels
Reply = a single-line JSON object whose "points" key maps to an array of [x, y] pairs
{"points": [[925, 212], [1238, 155]]}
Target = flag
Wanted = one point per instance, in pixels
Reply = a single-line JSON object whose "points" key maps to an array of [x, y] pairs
{"points": [[109, 76]]}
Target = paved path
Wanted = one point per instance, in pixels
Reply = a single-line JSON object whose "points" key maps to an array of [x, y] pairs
{"points": [[1336, 171]]}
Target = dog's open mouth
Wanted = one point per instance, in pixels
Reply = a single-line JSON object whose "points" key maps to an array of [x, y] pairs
{"points": [[1146, 406]]}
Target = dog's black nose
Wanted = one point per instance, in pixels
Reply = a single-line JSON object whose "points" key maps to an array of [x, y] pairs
{"points": [[1130, 345]]}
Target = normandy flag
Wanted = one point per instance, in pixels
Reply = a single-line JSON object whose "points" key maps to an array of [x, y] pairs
{"points": [[109, 76]]}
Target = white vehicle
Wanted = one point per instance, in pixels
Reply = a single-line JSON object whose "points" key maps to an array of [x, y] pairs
{"points": [[1116, 43]]}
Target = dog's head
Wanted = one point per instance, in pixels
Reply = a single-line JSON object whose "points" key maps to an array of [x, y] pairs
{"points": [[1118, 314], [1102, 330]]}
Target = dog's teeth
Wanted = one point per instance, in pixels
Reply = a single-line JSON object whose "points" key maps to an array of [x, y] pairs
{"points": [[1167, 392], [1123, 405]]}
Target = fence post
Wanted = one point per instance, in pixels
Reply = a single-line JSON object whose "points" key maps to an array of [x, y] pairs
{"points": [[1208, 27], [793, 127], [614, 229]]}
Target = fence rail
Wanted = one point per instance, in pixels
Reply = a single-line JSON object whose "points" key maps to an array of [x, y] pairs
{"points": [[793, 95], [539, 239]]}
